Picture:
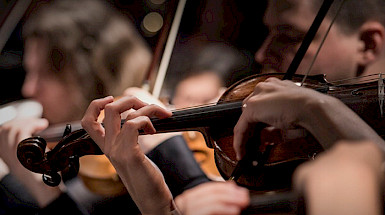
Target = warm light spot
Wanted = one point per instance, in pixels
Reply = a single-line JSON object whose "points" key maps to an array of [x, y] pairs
{"points": [[152, 22]]}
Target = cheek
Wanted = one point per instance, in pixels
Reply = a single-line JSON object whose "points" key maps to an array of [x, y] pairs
{"points": [[58, 103], [337, 64], [335, 60]]}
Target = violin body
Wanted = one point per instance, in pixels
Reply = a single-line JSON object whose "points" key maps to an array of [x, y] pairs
{"points": [[366, 101], [288, 150], [283, 150], [202, 154], [293, 147]]}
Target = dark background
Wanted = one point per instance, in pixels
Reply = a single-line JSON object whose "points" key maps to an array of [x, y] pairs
{"points": [[238, 23]]}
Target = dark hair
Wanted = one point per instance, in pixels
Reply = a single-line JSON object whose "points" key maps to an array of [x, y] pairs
{"points": [[355, 12], [219, 58]]}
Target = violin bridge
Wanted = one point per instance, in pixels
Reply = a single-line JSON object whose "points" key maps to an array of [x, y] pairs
{"points": [[381, 93]]}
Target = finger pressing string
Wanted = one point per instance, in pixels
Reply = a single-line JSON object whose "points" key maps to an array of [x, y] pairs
{"points": [[150, 111], [89, 121]]}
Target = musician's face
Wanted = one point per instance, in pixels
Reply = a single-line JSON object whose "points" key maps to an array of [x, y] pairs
{"points": [[198, 90], [288, 22], [59, 98]]}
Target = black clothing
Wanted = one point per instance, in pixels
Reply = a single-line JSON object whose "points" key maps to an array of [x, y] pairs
{"points": [[173, 157], [178, 165]]}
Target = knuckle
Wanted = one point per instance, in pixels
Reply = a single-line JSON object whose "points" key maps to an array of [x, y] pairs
{"points": [[147, 119], [109, 108], [95, 102], [129, 124], [155, 108], [131, 98], [236, 129], [259, 86], [270, 79], [84, 122]]}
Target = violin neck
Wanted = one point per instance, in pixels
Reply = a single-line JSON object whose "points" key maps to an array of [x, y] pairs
{"points": [[223, 115], [55, 133]]}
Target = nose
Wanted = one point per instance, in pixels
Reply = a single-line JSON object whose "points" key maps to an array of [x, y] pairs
{"points": [[260, 55], [30, 85]]}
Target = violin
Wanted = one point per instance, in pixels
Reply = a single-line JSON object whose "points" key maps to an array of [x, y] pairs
{"points": [[202, 154], [97, 173], [277, 159], [270, 168]]}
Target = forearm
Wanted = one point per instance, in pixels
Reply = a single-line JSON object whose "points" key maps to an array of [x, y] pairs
{"points": [[143, 180], [146, 185], [334, 121]]}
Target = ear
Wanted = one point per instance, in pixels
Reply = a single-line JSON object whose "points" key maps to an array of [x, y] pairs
{"points": [[372, 35]]}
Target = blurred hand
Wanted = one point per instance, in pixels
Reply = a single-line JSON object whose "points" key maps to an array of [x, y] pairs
{"points": [[346, 179], [12, 133], [225, 198]]}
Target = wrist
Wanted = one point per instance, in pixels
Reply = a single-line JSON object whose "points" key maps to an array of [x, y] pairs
{"points": [[314, 107], [323, 116], [130, 160]]}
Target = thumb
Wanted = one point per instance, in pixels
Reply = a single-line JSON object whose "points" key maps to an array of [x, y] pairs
{"points": [[34, 126]]}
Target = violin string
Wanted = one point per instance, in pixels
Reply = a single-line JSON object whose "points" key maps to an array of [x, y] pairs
{"points": [[363, 79], [367, 78], [195, 106], [322, 42]]}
